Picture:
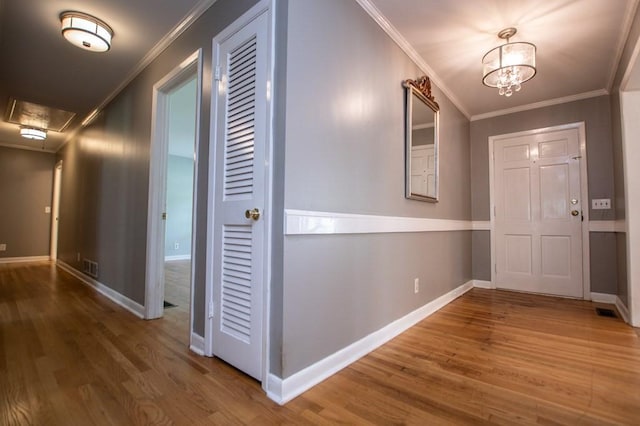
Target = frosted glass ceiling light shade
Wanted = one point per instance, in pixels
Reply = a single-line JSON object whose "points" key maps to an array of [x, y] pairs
{"points": [[86, 32], [508, 66], [32, 133]]}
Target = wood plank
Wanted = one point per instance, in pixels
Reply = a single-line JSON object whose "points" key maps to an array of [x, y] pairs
{"points": [[70, 356]]}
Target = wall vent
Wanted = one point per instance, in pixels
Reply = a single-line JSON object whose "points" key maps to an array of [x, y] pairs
{"points": [[90, 268]]}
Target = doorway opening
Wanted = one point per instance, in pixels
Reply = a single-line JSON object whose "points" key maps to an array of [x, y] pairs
{"points": [[173, 196], [55, 211]]}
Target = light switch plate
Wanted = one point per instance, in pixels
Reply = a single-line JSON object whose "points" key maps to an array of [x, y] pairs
{"points": [[47, 209], [3, 247]]}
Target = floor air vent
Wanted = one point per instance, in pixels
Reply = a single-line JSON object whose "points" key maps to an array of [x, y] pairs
{"points": [[604, 312]]}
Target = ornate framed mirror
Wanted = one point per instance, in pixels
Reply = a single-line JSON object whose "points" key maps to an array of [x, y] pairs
{"points": [[421, 141]]}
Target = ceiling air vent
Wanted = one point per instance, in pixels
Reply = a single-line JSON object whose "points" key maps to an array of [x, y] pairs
{"points": [[38, 116]]}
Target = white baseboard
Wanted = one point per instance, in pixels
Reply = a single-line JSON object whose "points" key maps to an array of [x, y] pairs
{"points": [[23, 259], [119, 299], [604, 298], [482, 284], [197, 344], [177, 257], [284, 390], [622, 309]]}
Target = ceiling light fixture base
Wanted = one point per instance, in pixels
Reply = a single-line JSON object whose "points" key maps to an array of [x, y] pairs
{"points": [[86, 31]]}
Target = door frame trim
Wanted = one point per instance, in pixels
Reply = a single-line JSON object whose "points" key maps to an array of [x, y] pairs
{"points": [[154, 274], [263, 6], [584, 194]]}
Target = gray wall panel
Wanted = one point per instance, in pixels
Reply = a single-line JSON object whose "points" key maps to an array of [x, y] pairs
{"points": [[345, 153], [26, 182], [345, 130], [604, 275], [481, 255], [340, 288]]}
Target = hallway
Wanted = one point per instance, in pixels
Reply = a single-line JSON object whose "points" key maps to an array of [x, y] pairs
{"points": [[70, 356]]}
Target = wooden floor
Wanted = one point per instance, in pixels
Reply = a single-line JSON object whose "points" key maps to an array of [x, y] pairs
{"points": [[68, 356]]}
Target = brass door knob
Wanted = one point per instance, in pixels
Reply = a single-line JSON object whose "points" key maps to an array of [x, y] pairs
{"points": [[575, 212], [252, 214]]}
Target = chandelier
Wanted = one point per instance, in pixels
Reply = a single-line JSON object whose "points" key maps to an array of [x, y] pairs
{"points": [[508, 66]]}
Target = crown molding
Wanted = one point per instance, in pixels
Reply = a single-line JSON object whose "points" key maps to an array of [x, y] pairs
{"points": [[541, 104], [402, 42], [629, 15]]}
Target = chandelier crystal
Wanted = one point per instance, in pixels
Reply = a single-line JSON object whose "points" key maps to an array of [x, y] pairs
{"points": [[506, 67]]}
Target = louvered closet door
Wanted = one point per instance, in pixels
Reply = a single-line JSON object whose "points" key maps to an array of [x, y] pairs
{"points": [[240, 185]]}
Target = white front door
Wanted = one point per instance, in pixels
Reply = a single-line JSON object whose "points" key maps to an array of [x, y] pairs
{"points": [[240, 190], [538, 213]]}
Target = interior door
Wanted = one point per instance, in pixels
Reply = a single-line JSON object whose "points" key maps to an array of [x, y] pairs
{"points": [[423, 170], [538, 213], [240, 187]]}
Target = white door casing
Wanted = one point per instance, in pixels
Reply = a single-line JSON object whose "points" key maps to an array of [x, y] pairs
{"points": [[536, 185], [239, 153], [154, 277]]}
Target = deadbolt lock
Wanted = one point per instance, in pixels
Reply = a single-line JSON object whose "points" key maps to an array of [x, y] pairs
{"points": [[575, 212], [252, 214]]}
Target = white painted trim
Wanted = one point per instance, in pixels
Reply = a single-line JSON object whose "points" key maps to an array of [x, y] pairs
{"points": [[177, 257], [481, 225], [302, 222], [483, 284], [117, 298], [618, 226], [23, 259], [603, 298], [193, 15], [584, 194], [197, 344], [408, 49], [622, 309], [284, 390], [542, 104], [154, 275]]}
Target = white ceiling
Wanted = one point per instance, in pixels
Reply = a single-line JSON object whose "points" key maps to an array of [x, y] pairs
{"points": [[578, 44], [39, 66]]}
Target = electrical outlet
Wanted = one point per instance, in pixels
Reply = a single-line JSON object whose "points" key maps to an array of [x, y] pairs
{"points": [[47, 209], [416, 285], [3, 247], [601, 203], [176, 246], [78, 257]]}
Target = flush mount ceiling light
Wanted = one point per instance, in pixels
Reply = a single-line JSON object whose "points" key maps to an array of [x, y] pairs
{"points": [[86, 31], [508, 66], [33, 133]]}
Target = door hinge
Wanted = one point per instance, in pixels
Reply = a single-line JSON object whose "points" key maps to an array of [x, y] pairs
{"points": [[217, 74], [211, 309]]}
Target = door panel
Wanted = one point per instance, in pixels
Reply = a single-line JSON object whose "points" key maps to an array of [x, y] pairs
{"points": [[240, 186], [538, 240]]}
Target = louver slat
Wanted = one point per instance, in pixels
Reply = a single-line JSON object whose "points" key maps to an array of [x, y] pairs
{"points": [[240, 122], [236, 281]]}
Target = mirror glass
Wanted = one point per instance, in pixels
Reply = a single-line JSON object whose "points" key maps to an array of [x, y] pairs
{"points": [[421, 145]]}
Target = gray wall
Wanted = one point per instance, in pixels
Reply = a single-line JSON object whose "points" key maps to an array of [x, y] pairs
{"points": [[26, 182], [596, 114], [345, 153], [106, 168], [179, 206]]}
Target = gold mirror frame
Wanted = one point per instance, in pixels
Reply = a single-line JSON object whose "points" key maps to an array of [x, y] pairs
{"points": [[421, 164]]}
